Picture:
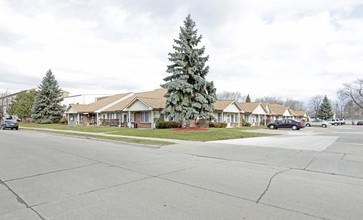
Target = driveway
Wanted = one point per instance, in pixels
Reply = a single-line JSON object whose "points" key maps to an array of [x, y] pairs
{"points": [[311, 139], [54, 176]]}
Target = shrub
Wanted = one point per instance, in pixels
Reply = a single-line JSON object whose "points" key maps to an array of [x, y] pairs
{"points": [[246, 124], [160, 119], [63, 120], [169, 124], [217, 124]]}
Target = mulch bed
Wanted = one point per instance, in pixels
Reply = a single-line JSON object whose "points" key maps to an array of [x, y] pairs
{"points": [[189, 129]]}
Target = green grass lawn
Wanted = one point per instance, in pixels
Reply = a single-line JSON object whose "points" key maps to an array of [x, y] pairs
{"points": [[212, 134]]}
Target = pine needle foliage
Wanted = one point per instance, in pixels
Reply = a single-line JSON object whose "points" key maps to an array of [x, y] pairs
{"points": [[190, 96], [325, 110], [248, 99], [47, 108]]}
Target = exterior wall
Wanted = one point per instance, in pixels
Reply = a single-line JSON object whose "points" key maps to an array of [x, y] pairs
{"points": [[255, 120], [137, 120], [241, 119], [5, 103]]}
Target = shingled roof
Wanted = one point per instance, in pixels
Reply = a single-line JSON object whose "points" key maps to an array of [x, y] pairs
{"points": [[220, 105], [155, 99], [277, 109], [300, 113], [100, 103], [249, 107]]}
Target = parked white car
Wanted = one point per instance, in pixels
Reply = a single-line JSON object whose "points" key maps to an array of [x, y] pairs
{"points": [[317, 123], [333, 121]]}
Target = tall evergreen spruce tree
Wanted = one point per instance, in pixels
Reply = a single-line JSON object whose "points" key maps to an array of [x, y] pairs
{"points": [[248, 99], [189, 94], [325, 110], [47, 108]]}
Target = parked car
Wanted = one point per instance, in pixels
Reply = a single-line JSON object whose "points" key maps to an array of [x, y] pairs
{"points": [[342, 121], [9, 124], [318, 123], [333, 121], [286, 123], [360, 123]]}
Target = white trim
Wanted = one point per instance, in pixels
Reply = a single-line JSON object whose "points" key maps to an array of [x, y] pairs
{"points": [[237, 105], [69, 108], [133, 101]]}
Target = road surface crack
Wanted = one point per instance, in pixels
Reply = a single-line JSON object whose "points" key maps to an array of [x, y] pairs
{"points": [[20, 200], [269, 184], [52, 172], [309, 163]]}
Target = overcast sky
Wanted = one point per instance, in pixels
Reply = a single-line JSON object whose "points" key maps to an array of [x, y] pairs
{"points": [[295, 49]]}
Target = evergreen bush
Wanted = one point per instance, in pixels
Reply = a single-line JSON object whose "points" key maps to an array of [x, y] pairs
{"points": [[63, 120], [217, 124], [160, 119], [169, 124]]}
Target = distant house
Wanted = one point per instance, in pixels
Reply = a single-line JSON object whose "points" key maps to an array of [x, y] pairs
{"points": [[228, 111], [254, 113], [300, 115], [83, 99], [90, 114], [142, 110], [279, 112]]}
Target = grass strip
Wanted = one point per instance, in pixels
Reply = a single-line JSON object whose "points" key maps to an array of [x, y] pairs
{"points": [[122, 139], [211, 135]]}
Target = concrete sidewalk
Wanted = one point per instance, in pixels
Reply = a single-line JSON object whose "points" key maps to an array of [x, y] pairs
{"points": [[112, 135]]}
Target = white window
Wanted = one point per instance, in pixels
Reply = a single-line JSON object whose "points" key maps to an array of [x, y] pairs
{"points": [[145, 117]]}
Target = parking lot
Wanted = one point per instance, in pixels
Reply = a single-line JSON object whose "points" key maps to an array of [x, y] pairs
{"points": [[313, 173]]}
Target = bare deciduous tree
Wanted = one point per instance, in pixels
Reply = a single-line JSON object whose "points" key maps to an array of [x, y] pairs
{"points": [[354, 92], [314, 104], [231, 96], [294, 104], [271, 100]]}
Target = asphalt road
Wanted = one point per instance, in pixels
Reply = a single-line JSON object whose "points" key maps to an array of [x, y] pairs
{"points": [[53, 176]]}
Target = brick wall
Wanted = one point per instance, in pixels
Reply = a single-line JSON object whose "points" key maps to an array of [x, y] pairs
{"points": [[139, 123]]}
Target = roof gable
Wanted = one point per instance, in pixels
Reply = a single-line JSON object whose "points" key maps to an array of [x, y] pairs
{"points": [[227, 106], [259, 110], [138, 105], [250, 107]]}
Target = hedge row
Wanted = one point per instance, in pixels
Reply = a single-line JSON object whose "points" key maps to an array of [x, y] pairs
{"points": [[168, 124], [217, 124]]}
